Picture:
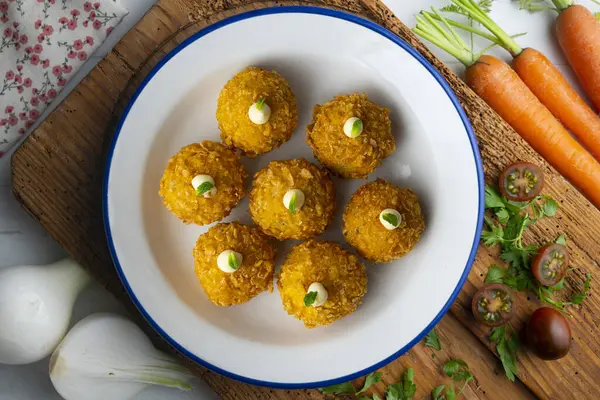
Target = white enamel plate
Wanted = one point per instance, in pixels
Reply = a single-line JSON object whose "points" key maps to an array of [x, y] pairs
{"points": [[322, 53]]}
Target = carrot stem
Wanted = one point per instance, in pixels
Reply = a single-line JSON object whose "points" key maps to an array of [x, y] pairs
{"points": [[467, 28], [475, 12], [562, 5], [451, 42]]}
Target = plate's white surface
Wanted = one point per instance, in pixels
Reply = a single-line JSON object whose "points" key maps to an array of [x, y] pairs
{"points": [[321, 56]]}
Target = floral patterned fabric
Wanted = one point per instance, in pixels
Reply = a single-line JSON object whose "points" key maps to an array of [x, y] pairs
{"points": [[42, 44]]}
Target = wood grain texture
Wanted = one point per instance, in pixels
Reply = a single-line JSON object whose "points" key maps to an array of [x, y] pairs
{"points": [[57, 176]]}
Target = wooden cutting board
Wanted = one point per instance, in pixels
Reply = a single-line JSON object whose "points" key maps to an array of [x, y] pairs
{"points": [[57, 177]]}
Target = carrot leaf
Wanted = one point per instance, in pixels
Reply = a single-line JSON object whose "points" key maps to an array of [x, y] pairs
{"points": [[534, 6]]}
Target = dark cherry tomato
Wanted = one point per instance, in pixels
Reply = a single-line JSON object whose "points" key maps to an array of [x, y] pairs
{"points": [[548, 334], [521, 181], [492, 305], [550, 264]]}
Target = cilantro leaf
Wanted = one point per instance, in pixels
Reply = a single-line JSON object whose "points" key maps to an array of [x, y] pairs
{"points": [[342, 388], [436, 394], [310, 298], [561, 240], [579, 298], [203, 188], [372, 379], [550, 207], [495, 274], [390, 218], [432, 340]]}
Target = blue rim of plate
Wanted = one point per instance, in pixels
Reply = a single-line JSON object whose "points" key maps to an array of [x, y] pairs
{"points": [[405, 46]]}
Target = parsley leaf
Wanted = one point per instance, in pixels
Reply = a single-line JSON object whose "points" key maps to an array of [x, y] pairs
{"points": [[579, 298], [558, 286], [403, 390], [550, 207], [436, 394], [342, 388], [409, 385], [452, 367], [203, 188], [502, 215], [372, 379], [495, 274], [492, 197], [310, 298], [507, 349], [433, 340], [390, 218], [561, 240]]}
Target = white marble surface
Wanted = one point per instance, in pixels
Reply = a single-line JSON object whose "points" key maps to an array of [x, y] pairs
{"points": [[23, 241]]}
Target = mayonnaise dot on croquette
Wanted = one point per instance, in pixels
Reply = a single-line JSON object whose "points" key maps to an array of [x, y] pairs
{"points": [[204, 185], [316, 295], [259, 112], [293, 200], [353, 127], [229, 261], [390, 219]]}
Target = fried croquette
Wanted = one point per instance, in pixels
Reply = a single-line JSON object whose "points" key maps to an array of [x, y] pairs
{"points": [[364, 230], [340, 272], [350, 157], [271, 184], [253, 275], [203, 159], [237, 97]]}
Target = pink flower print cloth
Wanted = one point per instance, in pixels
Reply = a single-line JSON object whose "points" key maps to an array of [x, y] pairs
{"points": [[42, 44]]}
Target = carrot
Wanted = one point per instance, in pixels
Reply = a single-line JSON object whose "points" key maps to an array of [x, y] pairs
{"points": [[497, 84], [578, 34], [551, 87], [545, 81]]}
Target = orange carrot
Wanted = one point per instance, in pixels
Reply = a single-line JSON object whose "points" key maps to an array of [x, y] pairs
{"points": [[578, 34], [545, 81], [500, 86], [553, 90], [496, 83]]}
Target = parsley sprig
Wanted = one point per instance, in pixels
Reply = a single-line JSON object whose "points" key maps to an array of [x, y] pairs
{"points": [[348, 388], [405, 389], [507, 344], [459, 371], [512, 219]]}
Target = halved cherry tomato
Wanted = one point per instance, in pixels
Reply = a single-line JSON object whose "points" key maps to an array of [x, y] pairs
{"points": [[550, 264], [492, 305], [548, 334], [521, 181]]}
